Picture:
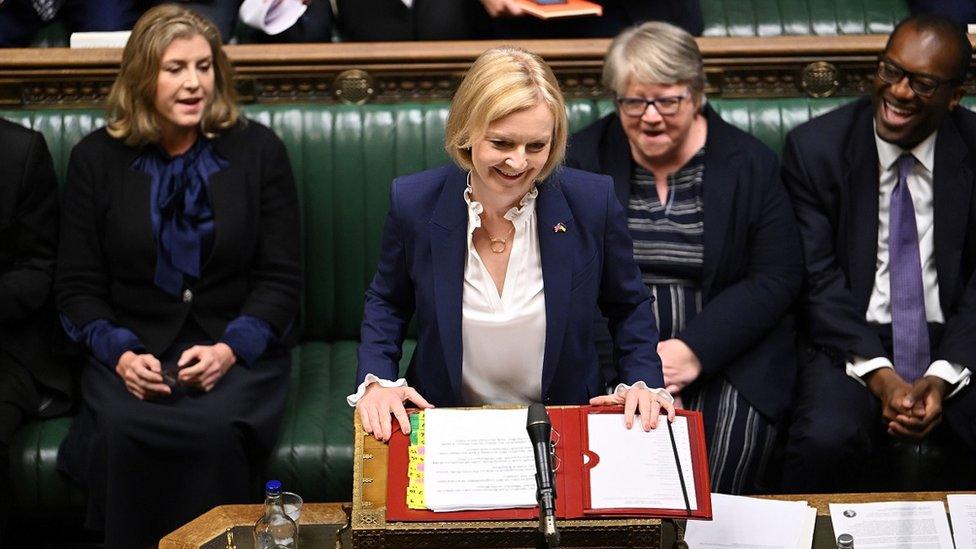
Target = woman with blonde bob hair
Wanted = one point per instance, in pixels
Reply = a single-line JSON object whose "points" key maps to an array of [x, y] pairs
{"points": [[715, 240], [502, 257], [179, 273], [492, 90]]}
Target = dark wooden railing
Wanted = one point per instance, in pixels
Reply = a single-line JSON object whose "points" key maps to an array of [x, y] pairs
{"points": [[411, 71]]}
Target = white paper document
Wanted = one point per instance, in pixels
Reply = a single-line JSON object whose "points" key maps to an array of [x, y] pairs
{"points": [[637, 468], [893, 524], [753, 523], [271, 16], [107, 39], [962, 512], [478, 459]]}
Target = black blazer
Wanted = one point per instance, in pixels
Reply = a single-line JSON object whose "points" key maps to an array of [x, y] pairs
{"points": [[752, 265], [830, 166], [28, 242], [387, 20], [107, 257]]}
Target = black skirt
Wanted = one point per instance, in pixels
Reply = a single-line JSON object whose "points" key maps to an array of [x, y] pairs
{"points": [[151, 466]]}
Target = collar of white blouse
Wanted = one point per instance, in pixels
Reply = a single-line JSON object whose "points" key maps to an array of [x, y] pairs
{"points": [[524, 251]]}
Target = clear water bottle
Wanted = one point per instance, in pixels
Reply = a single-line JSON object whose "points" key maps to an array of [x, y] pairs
{"points": [[275, 530]]}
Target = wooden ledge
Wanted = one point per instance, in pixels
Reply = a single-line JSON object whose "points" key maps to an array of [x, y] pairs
{"points": [[439, 53], [390, 72]]}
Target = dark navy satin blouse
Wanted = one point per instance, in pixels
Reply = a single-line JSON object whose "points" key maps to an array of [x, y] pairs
{"points": [[183, 227]]}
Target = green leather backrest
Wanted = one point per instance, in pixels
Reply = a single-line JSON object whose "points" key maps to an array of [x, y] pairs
{"points": [[801, 17], [344, 158]]}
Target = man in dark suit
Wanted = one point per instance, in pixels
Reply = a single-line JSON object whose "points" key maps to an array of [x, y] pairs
{"points": [[885, 194], [385, 20], [28, 238], [20, 20], [960, 11]]}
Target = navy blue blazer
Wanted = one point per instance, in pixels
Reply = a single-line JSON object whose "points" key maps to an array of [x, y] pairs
{"points": [[421, 272], [752, 266], [830, 165]]}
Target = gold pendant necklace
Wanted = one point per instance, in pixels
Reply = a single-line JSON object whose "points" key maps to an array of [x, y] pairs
{"points": [[497, 245]]}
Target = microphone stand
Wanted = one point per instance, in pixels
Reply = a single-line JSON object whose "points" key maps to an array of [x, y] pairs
{"points": [[539, 428]]}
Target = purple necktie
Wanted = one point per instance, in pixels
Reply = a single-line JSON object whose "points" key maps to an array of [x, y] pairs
{"points": [[910, 335]]}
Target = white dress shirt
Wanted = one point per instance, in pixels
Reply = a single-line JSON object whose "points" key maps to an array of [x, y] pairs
{"points": [[879, 306], [503, 336]]}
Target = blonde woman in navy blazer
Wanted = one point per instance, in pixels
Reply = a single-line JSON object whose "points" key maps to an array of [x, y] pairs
{"points": [[451, 227]]}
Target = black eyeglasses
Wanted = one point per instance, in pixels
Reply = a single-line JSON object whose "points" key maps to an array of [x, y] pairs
{"points": [[921, 84], [665, 106]]}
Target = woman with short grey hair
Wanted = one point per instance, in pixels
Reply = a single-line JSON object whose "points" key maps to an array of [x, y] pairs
{"points": [[654, 52], [715, 239]]}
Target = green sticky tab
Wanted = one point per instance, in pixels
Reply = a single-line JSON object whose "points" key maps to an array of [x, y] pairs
{"points": [[421, 429], [414, 426]]}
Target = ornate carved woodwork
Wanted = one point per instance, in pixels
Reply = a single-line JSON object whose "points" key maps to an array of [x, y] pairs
{"points": [[779, 66]]}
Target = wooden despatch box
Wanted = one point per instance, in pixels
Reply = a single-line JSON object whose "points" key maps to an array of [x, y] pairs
{"points": [[370, 529]]}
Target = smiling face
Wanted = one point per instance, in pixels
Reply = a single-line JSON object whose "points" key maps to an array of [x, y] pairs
{"points": [[903, 117], [657, 140], [507, 159], [184, 86]]}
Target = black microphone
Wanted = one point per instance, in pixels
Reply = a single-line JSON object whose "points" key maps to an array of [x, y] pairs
{"points": [[540, 431]]}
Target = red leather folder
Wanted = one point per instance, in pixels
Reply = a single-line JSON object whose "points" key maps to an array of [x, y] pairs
{"points": [[572, 481], [570, 8]]}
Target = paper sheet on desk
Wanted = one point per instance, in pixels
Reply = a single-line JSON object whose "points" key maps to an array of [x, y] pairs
{"points": [[477, 459], [893, 524], [743, 522], [962, 511], [636, 468]]}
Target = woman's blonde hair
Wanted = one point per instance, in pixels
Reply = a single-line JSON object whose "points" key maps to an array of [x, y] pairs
{"points": [[502, 81], [657, 53], [131, 112]]}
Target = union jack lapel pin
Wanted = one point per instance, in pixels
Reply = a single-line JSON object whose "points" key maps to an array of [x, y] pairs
{"points": [[559, 228]]}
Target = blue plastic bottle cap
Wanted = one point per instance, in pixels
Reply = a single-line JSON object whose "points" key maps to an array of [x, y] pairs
{"points": [[273, 487]]}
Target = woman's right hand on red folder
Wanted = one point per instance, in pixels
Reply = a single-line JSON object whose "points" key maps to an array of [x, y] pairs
{"points": [[380, 403]]}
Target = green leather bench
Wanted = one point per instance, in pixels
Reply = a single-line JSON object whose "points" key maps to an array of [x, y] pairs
{"points": [[344, 158], [740, 18], [801, 17]]}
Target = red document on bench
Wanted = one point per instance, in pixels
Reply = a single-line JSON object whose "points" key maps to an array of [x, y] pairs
{"points": [[583, 488], [570, 8]]}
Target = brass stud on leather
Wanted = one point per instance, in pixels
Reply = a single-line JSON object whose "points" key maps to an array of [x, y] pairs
{"points": [[820, 79], [354, 86]]}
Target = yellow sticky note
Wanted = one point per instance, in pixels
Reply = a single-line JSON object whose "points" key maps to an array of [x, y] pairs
{"points": [[415, 496]]}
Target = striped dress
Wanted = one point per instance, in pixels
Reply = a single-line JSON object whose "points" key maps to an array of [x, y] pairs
{"points": [[669, 248]]}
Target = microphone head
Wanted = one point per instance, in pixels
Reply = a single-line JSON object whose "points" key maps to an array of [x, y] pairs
{"points": [[538, 424], [537, 414]]}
